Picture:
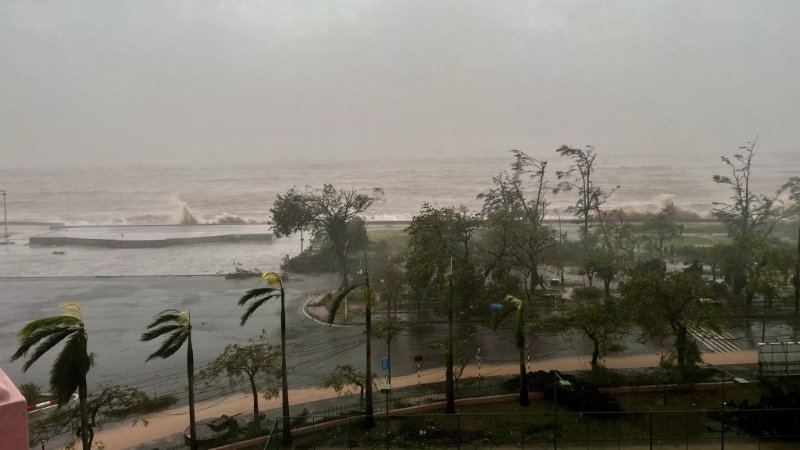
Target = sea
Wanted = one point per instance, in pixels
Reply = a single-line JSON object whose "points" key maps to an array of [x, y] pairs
{"points": [[244, 193]]}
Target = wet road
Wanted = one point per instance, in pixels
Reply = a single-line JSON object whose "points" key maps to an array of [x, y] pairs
{"points": [[117, 310]]}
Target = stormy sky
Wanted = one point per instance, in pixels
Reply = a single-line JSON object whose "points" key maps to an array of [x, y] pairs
{"points": [[130, 82]]}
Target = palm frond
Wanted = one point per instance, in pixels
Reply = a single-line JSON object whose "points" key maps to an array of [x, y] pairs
{"points": [[46, 322], [338, 301], [57, 336], [169, 315], [253, 307], [514, 301], [257, 292], [502, 317], [160, 331], [273, 280], [70, 368], [171, 344], [72, 309], [32, 339]]}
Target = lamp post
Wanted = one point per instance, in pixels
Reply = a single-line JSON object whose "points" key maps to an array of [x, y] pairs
{"points": [[736, 380], [566, 385]]}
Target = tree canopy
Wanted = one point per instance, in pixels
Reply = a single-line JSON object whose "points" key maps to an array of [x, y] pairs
{"points": [[333, 216]]}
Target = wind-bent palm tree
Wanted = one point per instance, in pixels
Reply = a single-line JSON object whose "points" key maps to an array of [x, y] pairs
{"points": [[450, 391], [177, 326], [369, 416], [518, 330], [71, 365], [274, 289]]}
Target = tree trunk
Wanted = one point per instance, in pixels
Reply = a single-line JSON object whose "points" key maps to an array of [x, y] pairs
{"points": [[254, 389], [797, 278], [595, 352], [190, 372], [680, 348], [86, 438], [286, 435], [369, 415], [449, 387], [345, 281], [607, 286], [523, 380]]}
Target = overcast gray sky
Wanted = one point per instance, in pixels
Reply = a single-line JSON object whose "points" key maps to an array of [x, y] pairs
{"points": [[147, 81]]}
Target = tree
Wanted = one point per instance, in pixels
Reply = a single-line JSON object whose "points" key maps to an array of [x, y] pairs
{"points": [[366, 287], [749, 218], [793, 186], [274, 289], [748, 212], [606, 265], [463, 349], [393, 281], [517, 306], [590, 196], [667, 304], [450, 392], [255, 363], [605, 324], [330, 215], [440, 238], [177, 327], [31, 392], [70, 367], [110, 404], [662, 228], [515, 209], [343, 376]]}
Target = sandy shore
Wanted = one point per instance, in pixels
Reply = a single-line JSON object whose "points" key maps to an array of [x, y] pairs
{"points": [[174, 421]]}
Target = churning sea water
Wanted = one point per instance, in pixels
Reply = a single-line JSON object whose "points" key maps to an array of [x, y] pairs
{"points": [[164, 195]]}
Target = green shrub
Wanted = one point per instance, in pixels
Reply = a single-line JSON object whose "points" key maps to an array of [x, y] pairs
{"points": [[587, 293]]}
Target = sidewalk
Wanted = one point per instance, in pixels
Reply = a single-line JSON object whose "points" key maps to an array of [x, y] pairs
{"points": [[165, 427]]}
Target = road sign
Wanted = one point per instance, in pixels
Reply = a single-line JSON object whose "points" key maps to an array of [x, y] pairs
{"points": [[384, 363], [418, 358]]}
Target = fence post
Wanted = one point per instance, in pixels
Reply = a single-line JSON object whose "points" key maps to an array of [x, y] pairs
{"points": [[686, 416], [651, 429], [458, 425]]}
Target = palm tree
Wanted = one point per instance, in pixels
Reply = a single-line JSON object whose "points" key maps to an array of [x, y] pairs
{"points": [[450, 392], [369, 417], [274, 289], [518, 330], [177, 326], [71, 365]]}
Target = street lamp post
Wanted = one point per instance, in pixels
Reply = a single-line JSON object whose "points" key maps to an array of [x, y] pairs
{"points": [[566, 385], [736, 380]]}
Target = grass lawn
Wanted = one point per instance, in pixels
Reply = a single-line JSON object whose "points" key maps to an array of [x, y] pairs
{"points": [[396, 238]]}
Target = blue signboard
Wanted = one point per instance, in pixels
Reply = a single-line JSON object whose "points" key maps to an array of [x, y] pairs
{"points": [[384, 363]]}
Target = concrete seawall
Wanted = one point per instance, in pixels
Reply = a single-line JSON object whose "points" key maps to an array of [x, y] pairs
{"points": [[152, 236]]}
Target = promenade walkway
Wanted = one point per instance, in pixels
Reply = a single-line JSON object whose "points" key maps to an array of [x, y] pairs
{"points": [[165, 427]]}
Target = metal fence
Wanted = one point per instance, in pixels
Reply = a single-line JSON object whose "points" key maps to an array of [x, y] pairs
{"points": [[569, 430]]}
